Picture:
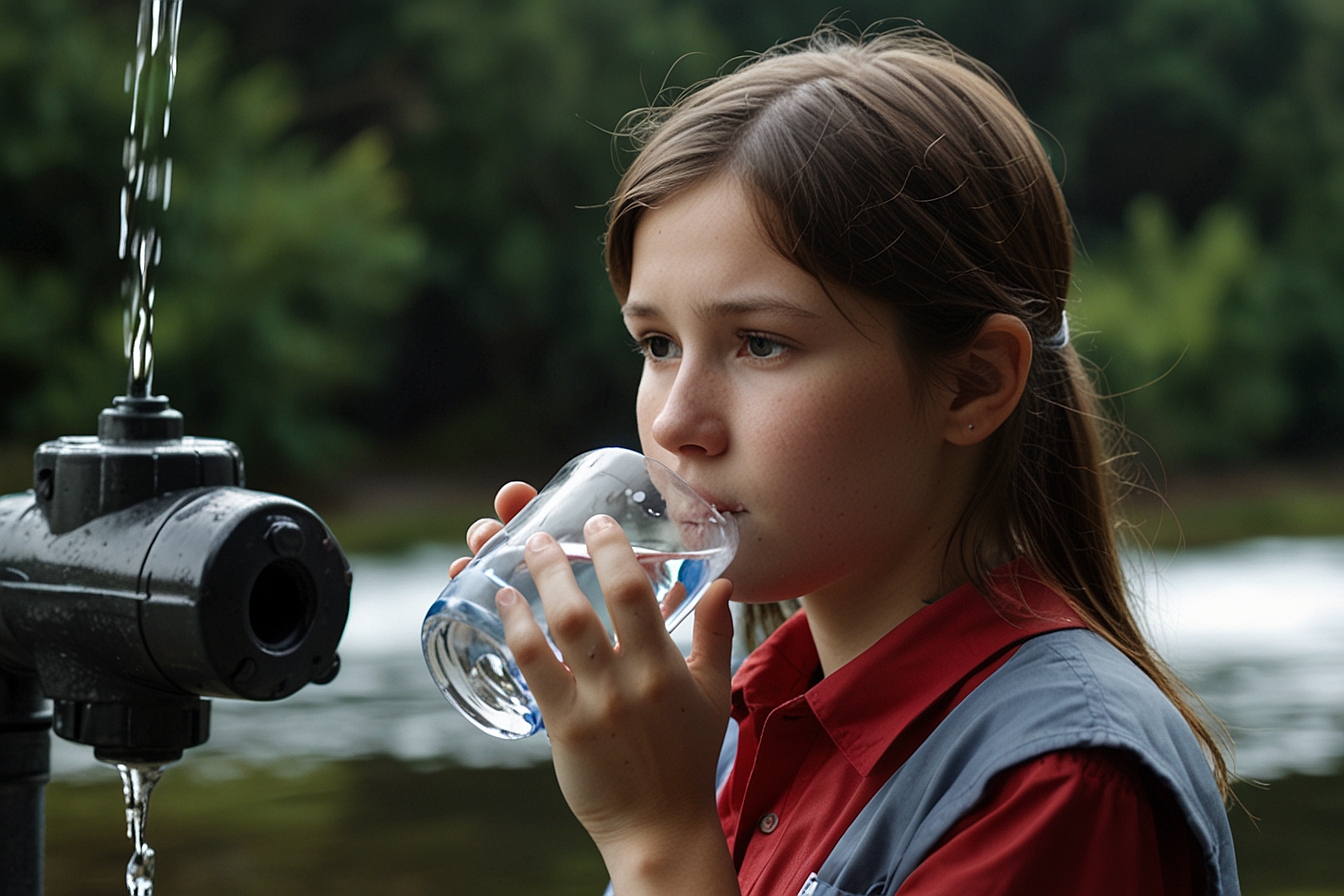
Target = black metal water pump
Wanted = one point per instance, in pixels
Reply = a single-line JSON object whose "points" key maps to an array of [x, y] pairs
{"points": [[137, 577]]}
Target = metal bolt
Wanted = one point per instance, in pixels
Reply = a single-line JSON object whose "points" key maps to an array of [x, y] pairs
{"points": [[285, 537]]}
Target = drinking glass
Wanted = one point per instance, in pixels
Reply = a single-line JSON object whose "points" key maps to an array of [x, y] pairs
{"points": [[678, 537]]}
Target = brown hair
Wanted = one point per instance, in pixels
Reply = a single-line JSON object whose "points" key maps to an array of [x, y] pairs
{"points": [[898, 166]]}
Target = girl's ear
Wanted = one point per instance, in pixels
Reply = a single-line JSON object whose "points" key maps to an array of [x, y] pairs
{"points": [[990, 376]]}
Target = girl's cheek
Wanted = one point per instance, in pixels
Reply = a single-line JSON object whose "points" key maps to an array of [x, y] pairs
{"points": [[646, 396]]}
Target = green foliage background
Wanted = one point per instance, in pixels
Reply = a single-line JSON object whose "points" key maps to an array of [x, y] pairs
{"points": [[384, 243]]}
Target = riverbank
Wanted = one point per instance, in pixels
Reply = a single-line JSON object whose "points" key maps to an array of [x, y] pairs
{"points": [[392, 828], [382, 514], [376, 512], [1203, 508]]}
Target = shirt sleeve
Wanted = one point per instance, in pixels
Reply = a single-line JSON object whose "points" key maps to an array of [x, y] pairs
{"points": [[1074, 822]]}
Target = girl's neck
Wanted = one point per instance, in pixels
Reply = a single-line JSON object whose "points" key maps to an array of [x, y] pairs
{"points": [[851, 615]]}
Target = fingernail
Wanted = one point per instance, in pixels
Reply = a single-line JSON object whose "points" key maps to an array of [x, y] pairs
{"points": [[506, 597], [599, 523], [539, 540]]}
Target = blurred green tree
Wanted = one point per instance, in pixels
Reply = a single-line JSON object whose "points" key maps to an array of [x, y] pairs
{"points": [[281, 264], [516, 347], [387, 220], [1169, 313], [1219, 129]]}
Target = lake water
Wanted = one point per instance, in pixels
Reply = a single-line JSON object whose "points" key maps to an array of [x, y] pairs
{"points": [[1257, 629]]}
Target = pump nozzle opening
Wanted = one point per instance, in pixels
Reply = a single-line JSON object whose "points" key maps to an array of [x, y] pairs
{"points": [[282, 605]]}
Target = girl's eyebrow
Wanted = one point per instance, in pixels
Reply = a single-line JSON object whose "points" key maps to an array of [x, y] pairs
{"points": [[727, 308]]}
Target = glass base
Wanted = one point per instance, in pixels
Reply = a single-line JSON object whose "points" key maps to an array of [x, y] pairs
{"points": [[468, 660]]}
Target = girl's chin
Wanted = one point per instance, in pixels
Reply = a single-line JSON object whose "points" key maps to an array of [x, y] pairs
{"points": [[764, 583], [744, 593]]}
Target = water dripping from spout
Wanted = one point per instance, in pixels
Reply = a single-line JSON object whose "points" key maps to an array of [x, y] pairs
{"points": [[137, 783]]}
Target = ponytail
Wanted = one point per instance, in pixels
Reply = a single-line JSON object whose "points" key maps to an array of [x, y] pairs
{"points": [[1060, 514]]}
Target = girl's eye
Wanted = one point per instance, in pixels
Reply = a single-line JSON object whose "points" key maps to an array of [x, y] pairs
{"points": [[763, 346], [658, 347]]}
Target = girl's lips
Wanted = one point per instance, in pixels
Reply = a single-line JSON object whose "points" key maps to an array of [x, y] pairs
{"points": [[718, 503], [723, 506]]}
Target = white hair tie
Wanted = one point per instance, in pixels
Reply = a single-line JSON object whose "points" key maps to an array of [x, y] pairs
{"points": [[1061, 336]]}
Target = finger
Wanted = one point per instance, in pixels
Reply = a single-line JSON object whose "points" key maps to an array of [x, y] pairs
{"points": [[457, 566], [513, 497], [711, 659], [631, 603], [551, 683], [573, 623], [480, 532]]}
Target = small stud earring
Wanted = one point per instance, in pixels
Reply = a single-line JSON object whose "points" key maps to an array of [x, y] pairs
{"points": [[970, 426]]}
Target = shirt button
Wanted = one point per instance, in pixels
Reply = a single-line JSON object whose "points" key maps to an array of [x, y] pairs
{"points": [[769, 821]]}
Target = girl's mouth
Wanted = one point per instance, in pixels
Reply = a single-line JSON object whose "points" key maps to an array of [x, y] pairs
{"points": [[725, 507]]}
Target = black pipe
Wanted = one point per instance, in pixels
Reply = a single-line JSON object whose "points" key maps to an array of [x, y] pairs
{"points": [[25, 763]]}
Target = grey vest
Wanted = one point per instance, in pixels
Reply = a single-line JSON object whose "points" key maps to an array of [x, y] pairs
{"points": [[1059, 691]]}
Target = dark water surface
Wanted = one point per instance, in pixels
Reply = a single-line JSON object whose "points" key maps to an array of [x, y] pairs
{"points": [[1290, 836], [382, 826], [374, 827]]}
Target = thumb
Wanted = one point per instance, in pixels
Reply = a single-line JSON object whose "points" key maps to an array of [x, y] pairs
{"points": [[711, 656]]}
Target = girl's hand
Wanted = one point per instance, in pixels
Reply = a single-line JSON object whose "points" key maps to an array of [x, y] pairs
{"points": [[635, 729], [510, 499]]}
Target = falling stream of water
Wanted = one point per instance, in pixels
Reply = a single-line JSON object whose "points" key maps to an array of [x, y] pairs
{"points": [[145, 194], [137, 783]]}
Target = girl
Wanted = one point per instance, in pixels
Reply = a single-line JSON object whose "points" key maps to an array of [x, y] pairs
{"points": [[846, 266]]}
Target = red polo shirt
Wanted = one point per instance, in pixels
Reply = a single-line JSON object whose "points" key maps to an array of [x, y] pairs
{"points": [[812, 751]]}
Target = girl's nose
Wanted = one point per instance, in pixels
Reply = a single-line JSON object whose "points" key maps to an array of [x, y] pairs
{"points": [[691, 420]]}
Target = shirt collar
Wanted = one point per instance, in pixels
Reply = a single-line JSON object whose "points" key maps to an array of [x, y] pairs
{"points": [[866, 703]]}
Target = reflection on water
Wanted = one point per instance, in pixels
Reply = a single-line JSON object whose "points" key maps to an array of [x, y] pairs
{"points": [[1257, 629]]}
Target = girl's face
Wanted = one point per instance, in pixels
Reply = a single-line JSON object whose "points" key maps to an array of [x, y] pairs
{"points": [[792, 412]]}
